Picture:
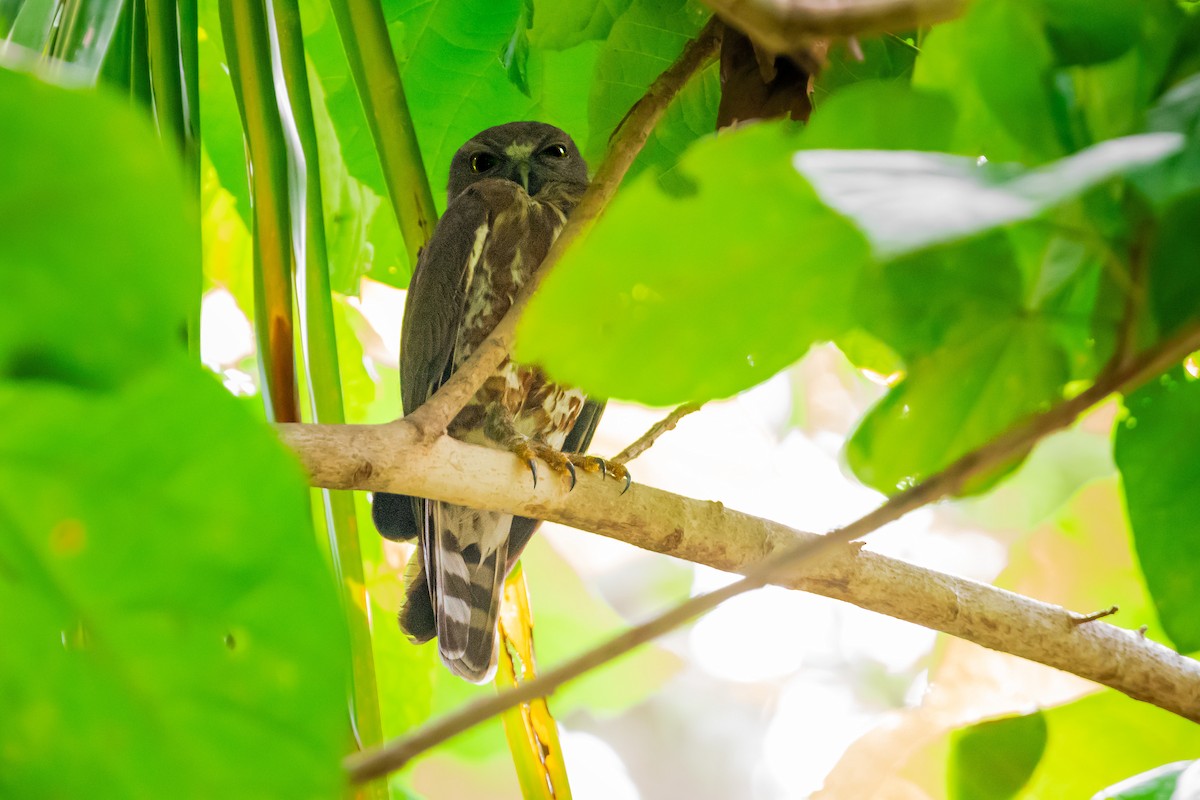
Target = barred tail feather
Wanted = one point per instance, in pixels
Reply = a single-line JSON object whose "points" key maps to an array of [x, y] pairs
{"points": [[469, 561]]}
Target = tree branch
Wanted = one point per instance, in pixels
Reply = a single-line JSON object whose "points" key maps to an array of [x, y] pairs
{"points": [[388, 458], [647, 439], [788, 26], [431, 419]]}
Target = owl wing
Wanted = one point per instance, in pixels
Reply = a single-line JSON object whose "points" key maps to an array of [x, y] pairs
{"points": [[433, 312]]}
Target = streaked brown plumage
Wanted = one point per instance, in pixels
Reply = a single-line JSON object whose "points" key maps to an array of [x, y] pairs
{"points": [[511, 189]]}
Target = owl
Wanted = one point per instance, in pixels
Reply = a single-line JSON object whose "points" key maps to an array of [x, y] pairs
{"points": [[510, 191]]}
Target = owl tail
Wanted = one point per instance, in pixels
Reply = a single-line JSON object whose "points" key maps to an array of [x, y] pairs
{"points": [[467, 555]]}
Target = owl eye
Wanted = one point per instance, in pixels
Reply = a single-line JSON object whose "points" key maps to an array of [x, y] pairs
{"points": [[482, 162], [555, 151]]}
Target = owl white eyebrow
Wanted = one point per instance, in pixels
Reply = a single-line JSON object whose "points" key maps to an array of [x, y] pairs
{"points": [[516, 150]]}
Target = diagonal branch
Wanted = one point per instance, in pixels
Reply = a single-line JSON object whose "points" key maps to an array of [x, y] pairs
{"points": [[432, 418], [391, 458], [647, 439]]}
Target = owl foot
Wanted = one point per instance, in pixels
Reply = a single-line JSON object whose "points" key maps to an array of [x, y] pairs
{"points": [[595, 464], [499, 428], [531, 452]]}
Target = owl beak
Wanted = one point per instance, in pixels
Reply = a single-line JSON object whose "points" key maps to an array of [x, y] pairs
{"points": [[523, 174]]}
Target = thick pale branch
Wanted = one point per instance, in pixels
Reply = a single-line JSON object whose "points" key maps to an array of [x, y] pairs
{"points": [[787, 26], [390, 458], [432, 418]]}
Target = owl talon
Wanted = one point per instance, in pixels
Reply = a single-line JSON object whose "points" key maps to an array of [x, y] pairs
{"points": [[571, 469], [628, 481], [532, 469]]}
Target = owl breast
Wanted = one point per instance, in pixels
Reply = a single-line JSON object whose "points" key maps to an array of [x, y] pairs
{"points": [[509, 248]]}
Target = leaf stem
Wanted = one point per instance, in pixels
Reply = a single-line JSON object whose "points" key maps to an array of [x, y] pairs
{"points": [[377, 77], [247, 50], [319, 344]]}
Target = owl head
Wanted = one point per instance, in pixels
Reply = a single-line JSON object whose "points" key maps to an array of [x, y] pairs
{"points": [[530, 154]]}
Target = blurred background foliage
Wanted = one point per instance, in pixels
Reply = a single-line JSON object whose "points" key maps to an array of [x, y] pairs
{"points": [[980, 217]]}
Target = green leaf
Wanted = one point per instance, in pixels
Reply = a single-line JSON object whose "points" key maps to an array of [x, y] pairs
{"points": [[955, 399], [993, 760], [996, 65], [1099, 740], [699, 294], [453, 49], [643, 42], [1110, 98], [691, 115], [877, 115], [1157, 449], [885, 58], [1177, 111], [178, 635], [1173, 277], [906, 201], [1157, 784], [560, 24], [62, 241], [1090, 32]]}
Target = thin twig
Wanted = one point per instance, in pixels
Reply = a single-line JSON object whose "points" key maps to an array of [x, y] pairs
{"points": [[432, 418], [1135, 300], [1095, 615], [647, 439], [786, 26], [1015, 442]]}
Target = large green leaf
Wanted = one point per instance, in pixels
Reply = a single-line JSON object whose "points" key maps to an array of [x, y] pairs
{"points": [[691, 115], [80, 229], [560, 24], [1173, 277], [993, 760], [880, 115], [885, 58], [452, 49], [1176, 111], [1102, 739], [1089, 32], [701, 293], [178, 634], [324, 48], [1157, 449], [1111, 96], [643, 42], [996, 64], [956, 399]]}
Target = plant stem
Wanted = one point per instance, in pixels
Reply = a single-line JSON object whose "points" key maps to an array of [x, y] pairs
{"points": [[373, 64], [319, 343], [247, 50]]}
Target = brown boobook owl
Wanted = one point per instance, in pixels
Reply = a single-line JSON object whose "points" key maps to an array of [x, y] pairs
{"points": [[510, 191]]}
